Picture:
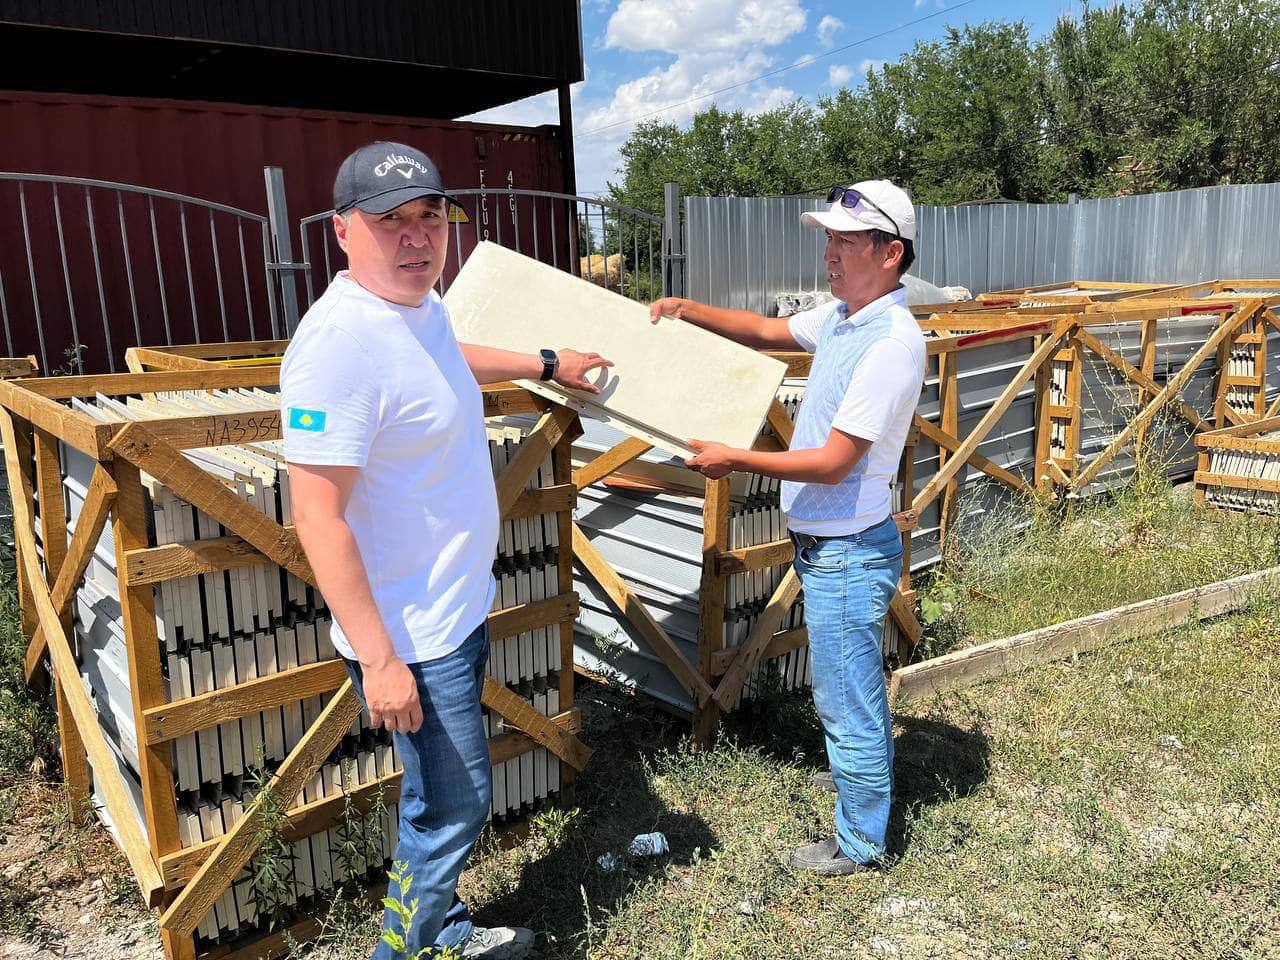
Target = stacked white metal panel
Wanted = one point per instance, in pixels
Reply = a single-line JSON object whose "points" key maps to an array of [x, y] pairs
{"points": [[217, 630], [527, 570], [1242, 363], [1260, 464], [653, 539]]}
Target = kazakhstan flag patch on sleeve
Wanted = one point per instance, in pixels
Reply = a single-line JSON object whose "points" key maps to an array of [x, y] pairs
{"points": [[300, 419]]}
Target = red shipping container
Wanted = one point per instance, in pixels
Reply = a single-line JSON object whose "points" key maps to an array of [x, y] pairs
{"points": [[212, 264]]}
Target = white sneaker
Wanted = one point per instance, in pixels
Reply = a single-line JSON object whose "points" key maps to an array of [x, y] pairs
{"points": [[499, 943]]}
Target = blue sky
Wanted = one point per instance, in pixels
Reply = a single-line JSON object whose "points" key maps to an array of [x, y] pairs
{"points": [[648, 58]]}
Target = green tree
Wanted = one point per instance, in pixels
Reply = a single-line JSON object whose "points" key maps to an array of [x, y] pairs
{"points": [[722, 154], [1159, 95]]}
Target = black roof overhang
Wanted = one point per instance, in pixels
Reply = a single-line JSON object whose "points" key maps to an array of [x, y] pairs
{"points": [[92, 62]]}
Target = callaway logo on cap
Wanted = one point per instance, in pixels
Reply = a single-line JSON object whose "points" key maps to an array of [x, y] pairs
{"points": [[381, 176]]}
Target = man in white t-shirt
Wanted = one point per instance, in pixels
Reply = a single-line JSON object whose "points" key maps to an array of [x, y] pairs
{"points": [[868, 367], [395, 506]]}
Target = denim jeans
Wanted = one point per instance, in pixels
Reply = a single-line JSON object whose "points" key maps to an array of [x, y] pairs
{"points": [[848, 583], [444, 792]]}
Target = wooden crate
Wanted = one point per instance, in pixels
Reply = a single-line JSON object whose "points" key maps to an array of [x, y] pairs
{"points": [[1239, 467], [186, 881]]}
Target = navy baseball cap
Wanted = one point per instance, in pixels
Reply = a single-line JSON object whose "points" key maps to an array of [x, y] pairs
{"points": [[381, 176]]}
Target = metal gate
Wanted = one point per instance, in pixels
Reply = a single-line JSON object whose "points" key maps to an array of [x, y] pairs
{"points": [[103, 266], [614, 246]]}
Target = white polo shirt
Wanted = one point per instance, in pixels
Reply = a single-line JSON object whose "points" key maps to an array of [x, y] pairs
{"points": [[868, 368], [372, 384]]}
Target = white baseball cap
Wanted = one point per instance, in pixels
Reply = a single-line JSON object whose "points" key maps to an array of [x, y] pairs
{"points": [[869, 205]]}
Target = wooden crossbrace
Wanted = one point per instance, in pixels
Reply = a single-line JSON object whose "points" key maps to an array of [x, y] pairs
{"points": [[942, 439], [1170, 390], [599, 569], [67, 677], [780, 422], [239, 843], [138, 444], [553, 426], [612, 459], [93, 519], [960, 456], [753, 648], [1138, 377], [142, 448]]}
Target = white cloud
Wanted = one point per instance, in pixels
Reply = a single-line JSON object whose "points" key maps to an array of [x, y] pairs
{"points": [[715, 43], [838, 75], [828, 27], [688, 77], [685, 79], [870, 63], [699, 26]]}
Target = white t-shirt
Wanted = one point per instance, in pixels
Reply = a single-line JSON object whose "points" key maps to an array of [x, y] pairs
{"points": [[878, 405], [372, 384]]}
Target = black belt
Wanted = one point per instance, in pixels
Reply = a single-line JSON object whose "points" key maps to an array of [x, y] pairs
{"points": [[806, 541]]}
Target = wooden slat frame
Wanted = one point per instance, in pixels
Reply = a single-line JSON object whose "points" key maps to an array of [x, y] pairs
{"points": [[984, 426], [1170, 390], [139, 448], [752, 649], [66, 676], [711, 600]]}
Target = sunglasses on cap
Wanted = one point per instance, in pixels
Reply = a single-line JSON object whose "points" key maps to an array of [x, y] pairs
{"points": [[849, 198]]}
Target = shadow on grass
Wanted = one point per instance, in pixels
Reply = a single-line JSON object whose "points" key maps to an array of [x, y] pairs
{"points": [[934, 762], [564, 893]]}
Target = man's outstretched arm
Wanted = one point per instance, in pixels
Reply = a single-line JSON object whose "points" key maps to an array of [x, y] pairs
{"points": [[744, 326], [493, 365], [829, 463]]}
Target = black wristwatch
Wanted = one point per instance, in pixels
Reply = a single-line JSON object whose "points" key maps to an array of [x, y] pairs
{"points": [[550, 363]]}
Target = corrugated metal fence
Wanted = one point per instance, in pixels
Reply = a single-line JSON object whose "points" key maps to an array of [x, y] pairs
{"points": [[743, 251]]}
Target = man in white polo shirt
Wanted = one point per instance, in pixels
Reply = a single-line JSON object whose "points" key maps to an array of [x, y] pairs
{"points": [[868, 367], [394, 502]]}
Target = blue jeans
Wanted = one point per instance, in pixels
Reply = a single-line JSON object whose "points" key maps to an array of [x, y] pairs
{"points": [[444, 793], [848, 583]]}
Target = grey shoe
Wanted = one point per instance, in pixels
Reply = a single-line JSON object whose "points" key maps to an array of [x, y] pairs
{"points": [[499, 943], [823, 780], [825, 859]]}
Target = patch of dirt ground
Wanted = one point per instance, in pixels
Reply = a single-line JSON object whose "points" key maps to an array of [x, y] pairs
{"points": [[65, 891]]}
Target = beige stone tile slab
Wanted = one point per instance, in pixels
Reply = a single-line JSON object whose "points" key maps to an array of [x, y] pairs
{"points": [[671, 382]]}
